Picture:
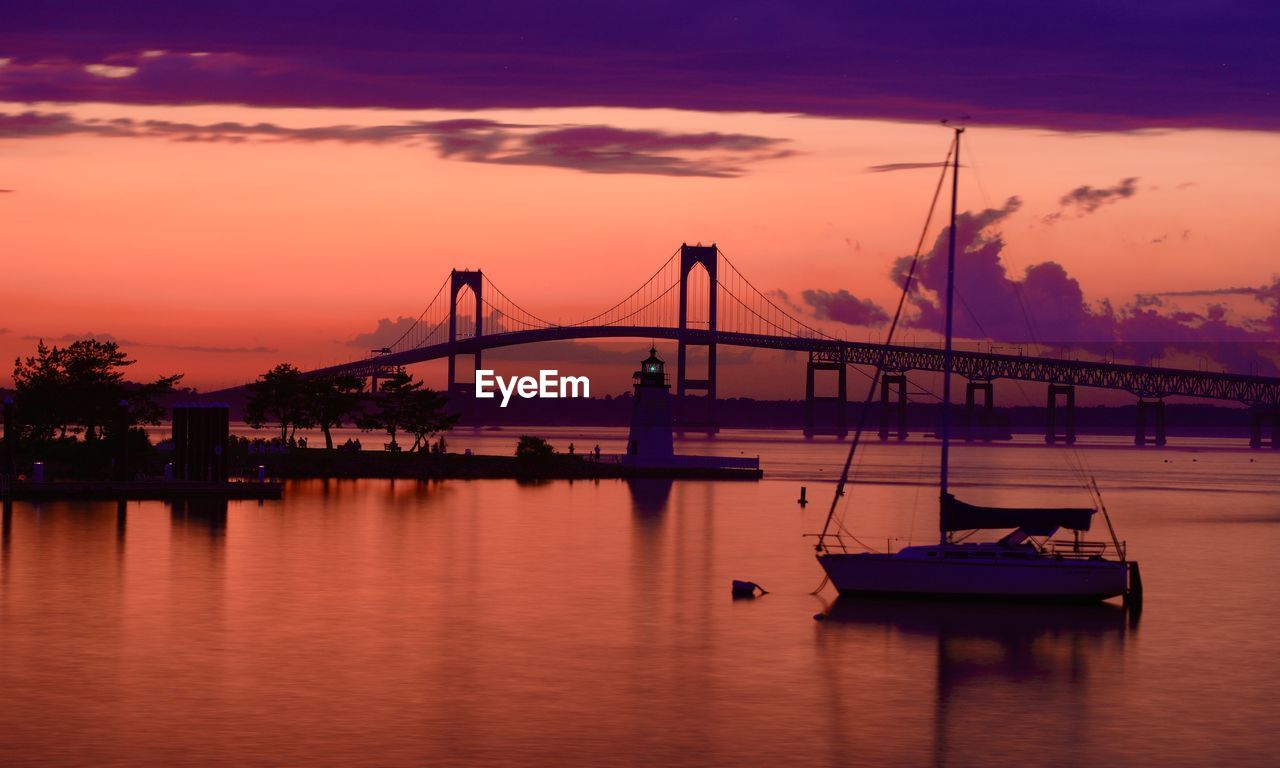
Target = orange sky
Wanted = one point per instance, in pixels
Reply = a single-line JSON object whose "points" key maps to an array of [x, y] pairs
{"points": [[194, 252]]}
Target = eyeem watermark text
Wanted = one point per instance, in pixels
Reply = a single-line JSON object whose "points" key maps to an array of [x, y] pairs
{"points": [[549, 384]]}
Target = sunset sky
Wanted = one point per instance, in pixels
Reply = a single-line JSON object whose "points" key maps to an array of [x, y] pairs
{"points": [[222, 186]]}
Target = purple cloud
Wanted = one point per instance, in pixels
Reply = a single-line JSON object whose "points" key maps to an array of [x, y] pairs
{"points": [[1077, 66], [71, 337], [843, 307], [1085, 199], [385, 334], [1047, 306], [589, 148], [888, 167]]}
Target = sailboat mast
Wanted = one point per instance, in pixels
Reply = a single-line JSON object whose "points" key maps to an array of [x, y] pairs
{"points": [[946, 350]]}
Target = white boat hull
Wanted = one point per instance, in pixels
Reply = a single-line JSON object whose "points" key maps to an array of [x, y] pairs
{"points": [[974, 571]]}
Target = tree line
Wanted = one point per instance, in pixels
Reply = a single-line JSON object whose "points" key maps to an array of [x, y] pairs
{"points": [[287, 399], [79, 394], [61, 393]]}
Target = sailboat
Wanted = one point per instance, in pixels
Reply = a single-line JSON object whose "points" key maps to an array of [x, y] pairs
{"points": [[1027, 563]]}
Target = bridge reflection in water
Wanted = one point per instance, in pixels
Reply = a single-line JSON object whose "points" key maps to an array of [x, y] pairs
{"points": [[699, 299]]}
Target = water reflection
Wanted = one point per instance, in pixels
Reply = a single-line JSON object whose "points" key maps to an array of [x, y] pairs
{"points": [[490, 623], [199, 514], [8, 521], [998, 668], [6, 536], [649, 496]]}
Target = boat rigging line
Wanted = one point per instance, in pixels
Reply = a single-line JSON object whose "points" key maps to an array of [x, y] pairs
{"points": [[875, 379]]}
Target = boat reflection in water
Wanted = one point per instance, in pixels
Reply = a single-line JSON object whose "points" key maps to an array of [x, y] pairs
{"points": [[1009, 683]]}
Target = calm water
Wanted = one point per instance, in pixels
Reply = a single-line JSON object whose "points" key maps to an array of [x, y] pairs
{"points": [[498, 623]]}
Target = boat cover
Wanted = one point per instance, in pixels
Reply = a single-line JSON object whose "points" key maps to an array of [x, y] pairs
{"points": [[1037, 521]]}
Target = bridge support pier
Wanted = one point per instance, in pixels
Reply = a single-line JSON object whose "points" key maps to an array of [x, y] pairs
{"points": [[377, 375], [458, 280], [889, 408], [1156, 409], [691, 256], [1256, 419], [841, 428], [1068, 434], [978, 423]]}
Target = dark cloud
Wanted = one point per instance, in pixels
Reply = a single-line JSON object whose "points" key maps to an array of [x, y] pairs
{"points": [[387, 333], [589, 148], [258, 350], [27, 125], [843, 307], [1211, 292], [887, 167], [1047, 306], [1079, 66], [604, 149], [990, 304], [5, 191], [73, 337], [1086, 199], [779, 296], [80, 337]]}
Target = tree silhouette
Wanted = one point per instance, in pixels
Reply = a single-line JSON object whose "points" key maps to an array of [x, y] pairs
{"points": [[333, 400], [80, 388], [533, 448], [279, 396], [403, 404]]}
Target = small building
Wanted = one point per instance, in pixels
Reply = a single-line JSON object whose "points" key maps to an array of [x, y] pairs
{"points": [[650, 442]]}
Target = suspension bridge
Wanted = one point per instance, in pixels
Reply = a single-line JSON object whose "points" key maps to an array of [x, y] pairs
{"points": [[701, 300]]}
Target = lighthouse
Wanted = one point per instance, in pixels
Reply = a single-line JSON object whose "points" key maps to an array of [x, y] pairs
{"points": [[650, 442]]}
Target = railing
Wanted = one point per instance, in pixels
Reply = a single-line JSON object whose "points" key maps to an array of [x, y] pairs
{"points": [[1080, 549]]}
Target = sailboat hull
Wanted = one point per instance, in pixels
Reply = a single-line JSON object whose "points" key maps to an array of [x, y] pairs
{"points": [[954, 572]]}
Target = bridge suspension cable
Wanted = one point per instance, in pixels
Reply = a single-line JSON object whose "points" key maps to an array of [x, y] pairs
{"points": [[505, 315], [425, 328], [500, 320], [654, 303], [754, 312]]}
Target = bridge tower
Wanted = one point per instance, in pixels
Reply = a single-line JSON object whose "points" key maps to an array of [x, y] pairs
{"points": [[979, 421], [459, 279], [811, 399], [1154, 407], [691, 256], [891, 410], [1068, 408], [1259, 416]]}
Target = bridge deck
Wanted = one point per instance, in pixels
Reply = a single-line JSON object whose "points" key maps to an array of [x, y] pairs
{"points": [[1144, 381]]}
